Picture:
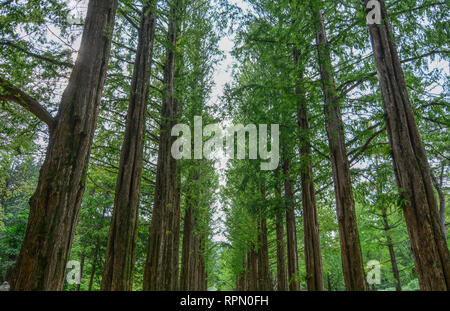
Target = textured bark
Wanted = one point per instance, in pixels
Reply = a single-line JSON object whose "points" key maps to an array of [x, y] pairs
{"points": [[352, 262], [173, 238], [263, 257], [313, 257], [290, 228], [54, 207], [253, 270], [119, 263], [159, 270], [412, 171], [191, 258]]}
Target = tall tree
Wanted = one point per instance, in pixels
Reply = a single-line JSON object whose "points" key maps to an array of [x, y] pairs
{"points": [[352, 261], [281, 253], [428, 244], [119, 262], [55, 205], [291, 228], [165, 216], [313, 255]]}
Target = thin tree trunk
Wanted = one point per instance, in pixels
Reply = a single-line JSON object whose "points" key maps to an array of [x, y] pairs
{"points": [[119, 264], [263, 257], [352, 262], [253, 265], [159, 270], [412, 171], [186, 256], [81, 270], [281, 257], [390, 245], [313, 257], [54, 207], [290, 228], [201, 269], [91, 278]]}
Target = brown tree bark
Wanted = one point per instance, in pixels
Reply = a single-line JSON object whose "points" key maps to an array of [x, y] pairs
{"points": [[54, 207], [291, 230], [352, 262], [253, 270], [119, 262], [412, 171], [313, 257], [173, 238], [192, 260], [159, 271], [91, 278], [263, 257], [186, 252]]}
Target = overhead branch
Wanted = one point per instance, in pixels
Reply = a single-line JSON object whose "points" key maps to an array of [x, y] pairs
{"points": [[360, 150], [129, 19], [8, 92], [347, 90], [35, 55]]}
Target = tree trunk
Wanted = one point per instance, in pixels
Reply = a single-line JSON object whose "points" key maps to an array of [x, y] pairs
{"points": [[159, 270], [81, 270], [186, 256], [352, 262], [281, 257], [119, 264], [313, 257], [91, 278], [290, 228], [390, 245], [429, 247], [54, 207], [263, 257], [253, 266], [329, 282]]}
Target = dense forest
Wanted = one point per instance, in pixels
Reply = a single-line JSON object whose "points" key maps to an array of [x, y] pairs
{"points": [[93, 196]]}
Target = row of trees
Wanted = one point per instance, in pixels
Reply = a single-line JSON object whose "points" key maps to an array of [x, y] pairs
{"points": [[308, 63], [141, 67]]}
